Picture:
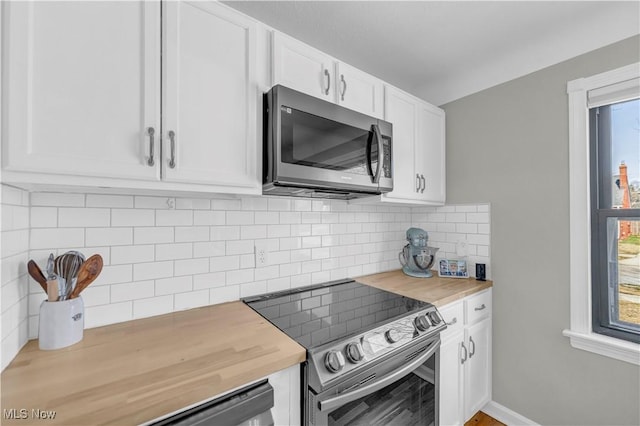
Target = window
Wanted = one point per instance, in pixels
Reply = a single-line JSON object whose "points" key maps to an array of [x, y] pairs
{"points": [[614, 133], [603, 179]]}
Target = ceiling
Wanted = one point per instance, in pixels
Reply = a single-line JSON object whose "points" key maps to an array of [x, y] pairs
{"points": [[445, 50]]}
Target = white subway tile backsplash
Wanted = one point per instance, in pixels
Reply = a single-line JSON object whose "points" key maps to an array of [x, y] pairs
{"points": [[214, 279], [191, 266], [174, 251], [164, 254], [76, 217], [143, 308], [193, 299], [224, 294], [174, 217], [152, 270], [132, 254], [153, 235], [109, 236], [211, 217], [132, 291], [43, 217], [112, 201], [52, 238], [173, 285], [133, 217], [240, 218], [55, 199]]}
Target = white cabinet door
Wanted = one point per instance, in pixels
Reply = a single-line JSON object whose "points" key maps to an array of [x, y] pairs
{"points": [[451, 381], [430, 153], [81, 87], [359, 91], [477, 380], [400, 110], [303, 68], [209, 96]]}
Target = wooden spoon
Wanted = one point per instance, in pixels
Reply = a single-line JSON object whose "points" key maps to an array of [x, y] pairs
{"points": [[88, 272], [36, 274]]}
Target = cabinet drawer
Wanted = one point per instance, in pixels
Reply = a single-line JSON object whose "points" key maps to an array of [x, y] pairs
{"points": [[453, 315], [478, 306]]}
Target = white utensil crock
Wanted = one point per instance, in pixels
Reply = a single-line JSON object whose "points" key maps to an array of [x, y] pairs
{"points": [[61, 323]]}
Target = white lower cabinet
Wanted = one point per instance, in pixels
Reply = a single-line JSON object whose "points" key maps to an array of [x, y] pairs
{"points": [[286, 396], [465, 358]]}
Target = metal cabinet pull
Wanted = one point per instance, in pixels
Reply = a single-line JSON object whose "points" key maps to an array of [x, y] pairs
{"points": [[418, 183], [172, 138], [453, 321], [465, 353], [344, 86], [471, 351], [326, 73], [151, 161], [481, 307], [424, 183]]}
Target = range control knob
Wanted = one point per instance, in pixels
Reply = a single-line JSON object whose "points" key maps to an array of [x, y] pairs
{"points": [[355, 354], [435, 319], [421, 323], [392, 335], [334, 361]]}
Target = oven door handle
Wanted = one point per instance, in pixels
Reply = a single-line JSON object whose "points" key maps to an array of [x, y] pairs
{"points": [[376, 132], [345, 398]]}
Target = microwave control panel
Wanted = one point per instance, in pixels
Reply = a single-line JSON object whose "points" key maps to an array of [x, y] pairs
{"points": [[386, 158]]}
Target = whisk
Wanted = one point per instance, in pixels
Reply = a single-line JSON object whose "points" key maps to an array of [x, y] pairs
{"points": [[67, 266]]}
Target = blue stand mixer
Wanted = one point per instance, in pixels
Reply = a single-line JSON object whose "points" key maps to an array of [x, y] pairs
{"points": [[417, 257]]}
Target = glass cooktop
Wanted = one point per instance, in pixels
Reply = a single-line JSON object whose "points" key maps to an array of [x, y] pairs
{"points": [[319, 314]]}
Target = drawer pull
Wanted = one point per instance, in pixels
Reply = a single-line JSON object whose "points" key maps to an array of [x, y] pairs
{"points": [[453, 321], [481, 307]]}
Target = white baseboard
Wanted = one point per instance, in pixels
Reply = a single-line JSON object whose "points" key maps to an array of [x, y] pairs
{"points": [[506, 416]]}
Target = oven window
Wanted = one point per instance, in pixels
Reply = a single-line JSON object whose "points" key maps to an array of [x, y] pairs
{"points": [[409, 401], [309, 140]]}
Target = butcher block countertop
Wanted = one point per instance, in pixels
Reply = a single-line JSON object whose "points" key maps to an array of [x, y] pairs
{"points": [[436, 290], [137, 371]]}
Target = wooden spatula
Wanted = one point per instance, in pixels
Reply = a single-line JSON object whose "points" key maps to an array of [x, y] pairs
{"points": [[36, 274], [88, 272]]}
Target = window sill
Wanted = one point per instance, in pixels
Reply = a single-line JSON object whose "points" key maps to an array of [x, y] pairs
{"points": [[606, 346]]}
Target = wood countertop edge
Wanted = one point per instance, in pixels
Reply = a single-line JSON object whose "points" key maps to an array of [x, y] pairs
{"points": [[158, 366]]}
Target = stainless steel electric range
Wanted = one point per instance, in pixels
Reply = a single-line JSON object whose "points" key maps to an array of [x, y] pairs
{"points": [[372, 355]]}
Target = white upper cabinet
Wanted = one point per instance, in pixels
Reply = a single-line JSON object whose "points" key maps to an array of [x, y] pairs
{"points": [[84, 89], [209, 95], [418, 149], [430, 153], [308, 70], [359, 91], [81, 88]]}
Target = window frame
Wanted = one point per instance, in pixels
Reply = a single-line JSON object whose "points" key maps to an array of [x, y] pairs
{"points": [[581, 333]]}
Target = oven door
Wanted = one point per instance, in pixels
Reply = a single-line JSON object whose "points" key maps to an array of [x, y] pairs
{"points": [[321, 144], [406, 395]]}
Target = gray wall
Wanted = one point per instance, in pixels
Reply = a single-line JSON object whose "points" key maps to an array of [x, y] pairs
{"points": [[508, 145]]}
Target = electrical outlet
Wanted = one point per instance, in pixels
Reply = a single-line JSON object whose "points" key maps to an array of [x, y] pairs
{"points": [[262, 254]]}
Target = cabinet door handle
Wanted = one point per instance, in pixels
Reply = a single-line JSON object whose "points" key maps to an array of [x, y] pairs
{"points": [[418, 184], [472, 347], [453, 321], [172, 138], [479, 308], [151, 160], [344, 86], [326, 73], [424, 183], [462, 360]]}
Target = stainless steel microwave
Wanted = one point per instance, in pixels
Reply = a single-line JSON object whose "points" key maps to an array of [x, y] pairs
{"points": [[313, 148]]}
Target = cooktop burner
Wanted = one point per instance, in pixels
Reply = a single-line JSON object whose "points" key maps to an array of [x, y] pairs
{"points": [[316, 315]]}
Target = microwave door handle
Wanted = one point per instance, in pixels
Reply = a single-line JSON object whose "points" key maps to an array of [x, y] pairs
{"points": [[345, 398], [376, 132]]}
